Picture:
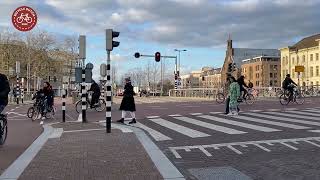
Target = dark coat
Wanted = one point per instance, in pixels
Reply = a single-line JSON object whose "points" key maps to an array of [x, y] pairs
{"points": [[4, 89], [127, 103]]}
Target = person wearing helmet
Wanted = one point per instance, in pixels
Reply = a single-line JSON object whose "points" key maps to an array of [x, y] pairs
{"points": [[287, 84]]}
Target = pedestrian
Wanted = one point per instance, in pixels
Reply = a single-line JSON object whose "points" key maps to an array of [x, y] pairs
{"points": [[127, 104], [228, 98], [234, 94]]}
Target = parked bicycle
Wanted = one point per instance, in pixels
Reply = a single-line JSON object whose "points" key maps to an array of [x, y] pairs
{"points": [[296, 97], [100, 106], [3, 128]]}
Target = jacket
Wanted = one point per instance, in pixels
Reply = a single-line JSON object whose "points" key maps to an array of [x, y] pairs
{"points": [[4, 89], [286, 82]]}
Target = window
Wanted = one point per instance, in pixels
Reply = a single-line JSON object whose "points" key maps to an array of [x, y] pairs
{"points": [[275, 82], [311, 57], [270, 83], [292, 60], [257, 83], [257, 68], [317, 56], [303, 58], [271, 67], [317, 70], [275, 67], [257, 75], [275, 75], [271, 75], [311, 71]]}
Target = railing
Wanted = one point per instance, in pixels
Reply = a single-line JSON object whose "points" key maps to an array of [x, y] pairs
{"points": [[256, 91]]}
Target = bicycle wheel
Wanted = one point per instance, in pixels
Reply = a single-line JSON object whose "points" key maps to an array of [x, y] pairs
{"points": [[3, 131], [101, 105], [284, 99], [299, 99], [30, 112], [79, 106], [35, 114], [220, 98], [50, 113], [249, 99]]}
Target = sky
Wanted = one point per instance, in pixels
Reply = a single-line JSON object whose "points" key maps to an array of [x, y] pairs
{"points": [[201, 27]]}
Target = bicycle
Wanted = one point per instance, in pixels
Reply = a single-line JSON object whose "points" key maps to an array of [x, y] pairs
{"points": [[98, 107], [248, 98], [297, 97], [3, 128], [24, 18], [41, 108]]}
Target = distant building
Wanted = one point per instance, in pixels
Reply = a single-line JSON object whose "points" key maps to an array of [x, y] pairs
{"points": [[210, 78], [191, 80], [304, 53], [237, 55], [262, 71]]}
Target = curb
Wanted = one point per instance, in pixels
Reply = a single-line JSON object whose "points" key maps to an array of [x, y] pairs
{"points": [[20, 164]]}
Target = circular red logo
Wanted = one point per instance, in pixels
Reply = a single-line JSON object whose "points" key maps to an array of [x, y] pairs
{"points": [[24, 18]]}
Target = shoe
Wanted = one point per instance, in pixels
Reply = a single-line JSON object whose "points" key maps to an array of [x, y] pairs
{"points": [[229, 114], [41, 122], [43, 118], [121, 121], [133, 121]]}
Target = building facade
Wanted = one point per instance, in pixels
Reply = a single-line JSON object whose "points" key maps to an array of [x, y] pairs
{"points": [[191, 80], [210, 78], [262, 71], [304, 53]]}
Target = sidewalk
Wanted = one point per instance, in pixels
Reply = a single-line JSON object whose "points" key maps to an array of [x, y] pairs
{"points": [[86, 151]]}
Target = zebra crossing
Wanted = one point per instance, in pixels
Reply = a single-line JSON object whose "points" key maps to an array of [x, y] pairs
{"points": [[192, 126]]}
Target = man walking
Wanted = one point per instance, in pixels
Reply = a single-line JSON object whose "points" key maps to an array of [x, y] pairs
{"points": [[127, 104]]}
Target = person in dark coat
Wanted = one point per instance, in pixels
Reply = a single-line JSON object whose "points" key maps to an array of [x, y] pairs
{"points": [[4, 91], [127, 104], [96, 93]]}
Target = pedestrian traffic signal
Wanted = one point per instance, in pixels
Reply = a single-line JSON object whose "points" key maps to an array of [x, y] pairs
{"points": [[157, 57], [110, 44], [230, 67], [175, 76]]}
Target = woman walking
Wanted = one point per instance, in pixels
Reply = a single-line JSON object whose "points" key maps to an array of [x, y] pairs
{"points": [[127, 104], [234, 94]]}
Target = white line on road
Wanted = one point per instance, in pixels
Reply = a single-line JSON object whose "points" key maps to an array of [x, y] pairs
{"points": [[150, 117], [196, 114], [180, 129], [18, 114], [284, 119], [315, 131], [241, 124], [304, 113], [210, 126], [84, 130], [293, 115], [155, 134], [255, 110], [292, 126], [215, 112]]}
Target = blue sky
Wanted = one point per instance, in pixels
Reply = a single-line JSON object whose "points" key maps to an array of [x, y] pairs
{"points": [[147, 26]]}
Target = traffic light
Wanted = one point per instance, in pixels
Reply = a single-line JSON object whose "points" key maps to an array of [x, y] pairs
{"points": [[234, 67], [175, 76], [157, 56], [110, 44], [230, 67], [137, 55]]}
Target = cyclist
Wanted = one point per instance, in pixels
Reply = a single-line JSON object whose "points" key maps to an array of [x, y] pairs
{"points": [[242, 84], [48, 99], [287, 84], [96, 93], [4, 91]]}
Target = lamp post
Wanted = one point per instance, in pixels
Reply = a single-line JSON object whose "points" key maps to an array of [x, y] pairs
{"points": [[179, 50]]}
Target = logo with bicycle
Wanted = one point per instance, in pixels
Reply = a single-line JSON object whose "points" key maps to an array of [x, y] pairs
{"points": [[24, 18]]}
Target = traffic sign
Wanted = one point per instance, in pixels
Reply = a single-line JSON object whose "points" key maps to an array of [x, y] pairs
{"points": [[299, 68]]}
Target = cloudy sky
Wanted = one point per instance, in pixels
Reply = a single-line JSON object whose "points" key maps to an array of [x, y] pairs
{"points": [[200, 26]]}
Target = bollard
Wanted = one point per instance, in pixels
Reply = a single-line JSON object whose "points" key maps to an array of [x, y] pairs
{"points": [[64, 107], [83, 97]]}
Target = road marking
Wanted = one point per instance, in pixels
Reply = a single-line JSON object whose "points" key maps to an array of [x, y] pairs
{"points": [[18, 114], [312, 110], [174, 115], [191, 106], [315, 131], [155, 134], [241, 124], [215, 112], [84, 130], [150, 117], [291, 109], [210, 126], [180, 129], [196, 114], [293, 115], [285, 119], [304, 113], [255, 110], [286, 125], [273, 109], [258, 144]]}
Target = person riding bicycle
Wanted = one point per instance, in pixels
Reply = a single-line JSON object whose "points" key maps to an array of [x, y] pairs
{"points": [[250, 84], [96, 93], [4, 91], [242, 84], [287, 84]]}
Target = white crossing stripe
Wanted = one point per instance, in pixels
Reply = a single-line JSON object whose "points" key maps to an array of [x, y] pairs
{"points": [[285, 119], [241, 124], [312, 110], [304, 113], [149, 117], [180, 129], [315, 131], [155, 134], [210, 126], [174, 115], [216, 112], [292, 126], [293, 115], [196, 114]]}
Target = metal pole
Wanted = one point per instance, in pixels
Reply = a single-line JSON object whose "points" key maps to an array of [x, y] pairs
{"points": [[109, 93], [63, 104], [161, 79], [22, 90], [18, 88], [83, 95], [179, 64]]}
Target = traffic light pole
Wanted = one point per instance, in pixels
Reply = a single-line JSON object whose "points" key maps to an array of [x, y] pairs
{"points": [[109, 96]]}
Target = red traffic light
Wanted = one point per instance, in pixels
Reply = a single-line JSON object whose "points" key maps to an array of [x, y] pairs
{"points": [[157, 56]]}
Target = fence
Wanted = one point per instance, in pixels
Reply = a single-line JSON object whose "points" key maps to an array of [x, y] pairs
{"points": [[308, 91]]}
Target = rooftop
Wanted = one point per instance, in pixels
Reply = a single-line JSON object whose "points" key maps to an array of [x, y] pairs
{"points": [[307, 42]]}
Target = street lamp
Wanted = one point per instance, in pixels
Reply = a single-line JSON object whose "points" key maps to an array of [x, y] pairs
{"points": [[179, 50]]}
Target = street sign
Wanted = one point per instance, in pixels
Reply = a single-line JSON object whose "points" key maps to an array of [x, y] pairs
{"points": [[299, 68]]}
